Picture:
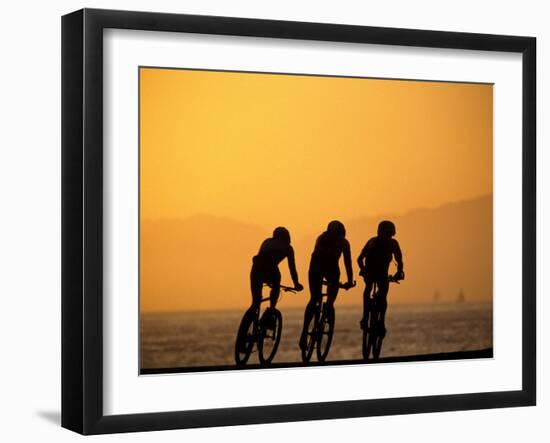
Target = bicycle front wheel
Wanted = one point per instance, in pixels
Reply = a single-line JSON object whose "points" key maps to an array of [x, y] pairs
{"points": [[310, 338], [372, 337], [245, 338], [367, 338], [325, 332], [377, 341], [271, 326]]}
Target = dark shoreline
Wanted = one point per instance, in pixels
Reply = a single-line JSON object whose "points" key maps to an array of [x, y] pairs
{"points": [[442, 356]]}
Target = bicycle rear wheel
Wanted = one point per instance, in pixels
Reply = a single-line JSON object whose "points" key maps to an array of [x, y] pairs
{"points": [[367, 337], [375, 337], [271, 336], [379, 338], [377, 346], [245, 338], [325, 332], [311, 337]]}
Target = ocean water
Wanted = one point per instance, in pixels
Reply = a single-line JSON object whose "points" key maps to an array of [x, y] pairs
{"points": [[190, 339]]}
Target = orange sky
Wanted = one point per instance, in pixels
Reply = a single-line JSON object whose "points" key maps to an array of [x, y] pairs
{"points": [[267, 150]]}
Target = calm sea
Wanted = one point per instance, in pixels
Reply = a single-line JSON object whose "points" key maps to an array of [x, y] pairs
{"points": [[190, 339]]}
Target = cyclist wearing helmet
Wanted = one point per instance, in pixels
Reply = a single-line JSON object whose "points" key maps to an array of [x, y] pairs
{"points": [[330, 245], [374, 262], [265, 267]]}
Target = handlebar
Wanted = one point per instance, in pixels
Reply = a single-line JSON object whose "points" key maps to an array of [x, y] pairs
{"points": [[288, 289], [284, 288], [342, 285], [392, 279]]}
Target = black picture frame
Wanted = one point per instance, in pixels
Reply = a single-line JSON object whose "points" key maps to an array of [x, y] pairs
{"points": [[82, 218]]}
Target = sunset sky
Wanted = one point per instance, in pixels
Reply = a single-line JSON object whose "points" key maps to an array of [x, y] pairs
{"points": [[263, 150]]}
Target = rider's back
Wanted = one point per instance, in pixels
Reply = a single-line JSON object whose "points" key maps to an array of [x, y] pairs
{"points": [[271, 253], [378, 252], [327, 251]]}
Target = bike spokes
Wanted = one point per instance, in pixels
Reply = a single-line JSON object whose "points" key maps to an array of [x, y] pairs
{"points": [[366, 338], [310, 338], [325, 332], [377, 344], [377, 347], [373, 335], [270, 328], [245, 339]]}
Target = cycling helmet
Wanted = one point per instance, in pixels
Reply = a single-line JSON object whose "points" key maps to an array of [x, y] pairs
{"points": [[386, 229], [337, 228], [282, 234]]}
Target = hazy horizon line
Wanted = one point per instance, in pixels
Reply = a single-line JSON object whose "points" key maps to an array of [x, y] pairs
{"points": [[358, 306]]}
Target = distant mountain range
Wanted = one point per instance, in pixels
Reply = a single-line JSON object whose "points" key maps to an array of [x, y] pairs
{"points": [[203, 262], [447, 250]]}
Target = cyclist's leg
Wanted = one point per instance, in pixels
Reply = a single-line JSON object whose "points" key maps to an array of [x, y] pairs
{"points": [[256, 285], [275, 282], [315, 288], [333, 282], [383, 287], [366, 302]]}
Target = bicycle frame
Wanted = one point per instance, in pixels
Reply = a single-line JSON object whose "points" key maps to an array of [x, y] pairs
{"points": [[319, 317], [372, 339], [256, 335], [282, 288]]}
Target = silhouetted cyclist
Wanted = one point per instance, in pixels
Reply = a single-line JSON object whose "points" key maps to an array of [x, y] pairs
{"points": [[330, 245], [265, 267], [374, 262]]}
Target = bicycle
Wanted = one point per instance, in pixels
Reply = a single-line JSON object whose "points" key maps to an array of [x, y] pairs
{"points": [[320, 329], [373, 329], [264, 331]]}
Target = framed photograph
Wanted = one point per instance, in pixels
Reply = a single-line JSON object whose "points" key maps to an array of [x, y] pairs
{"points": [[269, 221]]}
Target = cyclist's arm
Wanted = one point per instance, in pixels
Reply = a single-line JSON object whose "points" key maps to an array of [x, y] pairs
{"points": [[398, 256], [292, 266], [360, 260], [347, 261]]}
